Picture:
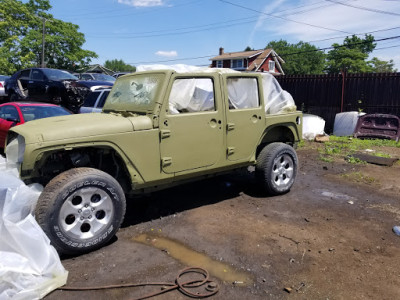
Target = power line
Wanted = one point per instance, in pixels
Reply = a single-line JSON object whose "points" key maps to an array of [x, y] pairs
{"points": [[209, 26], [338, 37], [170, 60], [364, 8], [106, 14], [218, 25], [283, 18], [288, 54]]}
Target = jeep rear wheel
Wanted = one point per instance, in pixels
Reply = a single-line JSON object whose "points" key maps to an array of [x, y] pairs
{"points": [[277, 168], [80, 210]]}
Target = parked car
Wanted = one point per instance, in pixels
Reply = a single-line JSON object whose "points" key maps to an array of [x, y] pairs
{"points": [[2, 90], [157, 129], [97, 76], [16, 113], [50, 86], [118, 74], [94, 102]]}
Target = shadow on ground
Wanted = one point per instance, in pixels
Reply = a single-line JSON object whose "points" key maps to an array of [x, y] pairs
{"points": [[189, 196]]}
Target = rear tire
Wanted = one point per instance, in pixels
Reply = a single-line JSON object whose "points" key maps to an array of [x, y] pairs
{"points": [[276, 168], [13, 97], [80, 210]]}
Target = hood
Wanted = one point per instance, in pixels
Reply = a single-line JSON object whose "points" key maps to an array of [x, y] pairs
{"points": [[80, 126], [90, 83]]}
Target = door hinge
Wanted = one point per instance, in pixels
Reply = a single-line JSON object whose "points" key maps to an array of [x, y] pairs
{"points": [[230, 150], [166, 161]]}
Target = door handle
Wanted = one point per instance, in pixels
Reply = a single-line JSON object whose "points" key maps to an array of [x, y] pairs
{"points": [[230, 126], [166, 161], [165, 133]]}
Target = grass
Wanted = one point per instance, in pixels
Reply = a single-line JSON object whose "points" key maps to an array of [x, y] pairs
{"points": [[344, 147], [359, 177]]}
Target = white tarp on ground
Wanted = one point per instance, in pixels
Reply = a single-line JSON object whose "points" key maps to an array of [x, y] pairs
{"points": [[30, 267], [276, 99], [312, 126], [345, 123]]}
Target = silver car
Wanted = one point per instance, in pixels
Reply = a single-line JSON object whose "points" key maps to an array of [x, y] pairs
{"points": [[3, 78], [94, 102]]}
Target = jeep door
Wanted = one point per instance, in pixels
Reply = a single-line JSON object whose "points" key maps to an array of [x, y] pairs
{"points": [[245, 115], [191, 124]]}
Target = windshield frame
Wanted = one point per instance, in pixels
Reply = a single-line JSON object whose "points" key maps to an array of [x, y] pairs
{"points": [[133, 88]]}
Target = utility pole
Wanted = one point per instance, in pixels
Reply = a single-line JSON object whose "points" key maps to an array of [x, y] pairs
{"points": [[43, 35]]}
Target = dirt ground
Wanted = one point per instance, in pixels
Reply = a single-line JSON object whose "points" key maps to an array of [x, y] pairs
{"points": [[329, 238]]}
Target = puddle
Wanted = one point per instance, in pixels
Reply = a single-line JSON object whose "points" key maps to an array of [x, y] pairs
{"points": [[192, 258], [336, 196]]}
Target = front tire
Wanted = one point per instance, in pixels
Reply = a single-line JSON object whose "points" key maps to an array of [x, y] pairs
{"points": [[13, 97], [80, 210], [276, 168]]}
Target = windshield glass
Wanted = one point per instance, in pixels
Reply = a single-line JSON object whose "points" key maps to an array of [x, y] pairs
{"points": [[53, 74], [134, 93]]}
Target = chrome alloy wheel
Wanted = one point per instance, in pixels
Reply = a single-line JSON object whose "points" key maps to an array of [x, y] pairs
{"points": [[282, 170], [86, 213]]}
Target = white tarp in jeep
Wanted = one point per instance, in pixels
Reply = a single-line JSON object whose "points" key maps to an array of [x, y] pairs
{"points": [[196, 94]]}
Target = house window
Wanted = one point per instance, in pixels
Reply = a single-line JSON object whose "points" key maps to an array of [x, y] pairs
{"points": [[237, 64], [220, 64], [271, 66]]}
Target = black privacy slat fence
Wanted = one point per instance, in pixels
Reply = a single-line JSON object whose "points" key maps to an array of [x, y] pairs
{"points": [[327, 95]]}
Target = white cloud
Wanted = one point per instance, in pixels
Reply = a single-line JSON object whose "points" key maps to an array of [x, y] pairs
{"points": [[167, 53], [142, 3]]}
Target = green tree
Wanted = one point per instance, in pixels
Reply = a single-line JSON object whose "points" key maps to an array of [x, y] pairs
{"points": [[119, 66], [300, 58], [351, 56], [248, 48], [381, 66], [21, 31]]}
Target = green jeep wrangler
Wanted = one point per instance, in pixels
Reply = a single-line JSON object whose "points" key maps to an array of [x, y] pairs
{"points": [[157, 129]]}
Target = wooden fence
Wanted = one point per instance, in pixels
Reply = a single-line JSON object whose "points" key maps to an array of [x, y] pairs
{"points": [[327, 95]]}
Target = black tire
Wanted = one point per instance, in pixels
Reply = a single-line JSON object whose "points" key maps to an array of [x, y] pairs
{"points": [[276, 168], [13, 97], [80, 210]]}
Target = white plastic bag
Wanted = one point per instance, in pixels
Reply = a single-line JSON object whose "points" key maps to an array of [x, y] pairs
{"points": [[30, 267]]}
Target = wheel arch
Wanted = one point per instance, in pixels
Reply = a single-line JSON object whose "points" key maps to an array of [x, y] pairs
{"points": [[280, 133], [105, 157]]}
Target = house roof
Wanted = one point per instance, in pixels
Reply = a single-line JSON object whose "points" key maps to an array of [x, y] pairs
{"points": [[99, 69], [262, 55], [236, 55]]}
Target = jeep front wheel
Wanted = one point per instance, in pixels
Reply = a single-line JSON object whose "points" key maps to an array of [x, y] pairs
{"points": [[277, 168], [80, 210]]}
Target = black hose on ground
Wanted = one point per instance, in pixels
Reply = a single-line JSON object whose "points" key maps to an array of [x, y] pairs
{"points": [[185, 287]]}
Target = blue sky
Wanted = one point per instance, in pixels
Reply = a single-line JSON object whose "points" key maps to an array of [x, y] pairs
{"points": [[192, 31]]}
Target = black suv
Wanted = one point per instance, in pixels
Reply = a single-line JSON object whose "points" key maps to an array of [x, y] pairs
{"points": [[50, 86]]}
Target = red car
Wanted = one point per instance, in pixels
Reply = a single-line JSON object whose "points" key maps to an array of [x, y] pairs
{"points": [[16, 113]]}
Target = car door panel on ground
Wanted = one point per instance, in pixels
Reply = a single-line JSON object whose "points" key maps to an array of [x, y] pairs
{"points": [[191, 130]]}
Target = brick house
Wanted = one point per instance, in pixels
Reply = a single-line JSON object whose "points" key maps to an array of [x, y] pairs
{"points": [[255, 60]]}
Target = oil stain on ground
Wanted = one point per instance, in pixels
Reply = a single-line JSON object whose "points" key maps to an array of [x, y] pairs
{"points": [[189, 257]]}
